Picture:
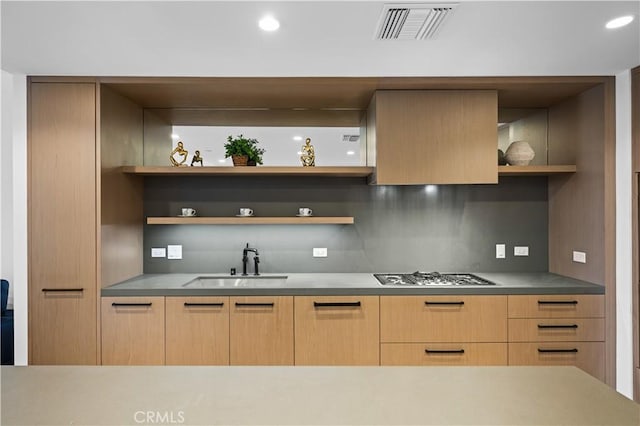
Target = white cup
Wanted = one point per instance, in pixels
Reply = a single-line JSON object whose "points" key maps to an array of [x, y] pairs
{"points": [[246, 212], [188, 211], [305, 211]]}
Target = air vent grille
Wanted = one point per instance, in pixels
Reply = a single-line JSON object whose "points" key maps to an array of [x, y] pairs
{"points": [[412, 21], [350, 138]]}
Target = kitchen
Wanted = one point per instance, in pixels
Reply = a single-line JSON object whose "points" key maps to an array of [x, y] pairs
{"points": [[376, 242]]}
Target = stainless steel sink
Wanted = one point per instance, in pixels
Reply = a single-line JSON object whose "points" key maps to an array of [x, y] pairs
{"points": [[237, 281]]}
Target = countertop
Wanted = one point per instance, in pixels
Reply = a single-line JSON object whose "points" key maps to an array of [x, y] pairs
{"points": [[314, 284], [92, 395]]}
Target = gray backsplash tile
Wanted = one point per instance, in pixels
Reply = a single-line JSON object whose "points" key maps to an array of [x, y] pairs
{"points": [[397, 228]]}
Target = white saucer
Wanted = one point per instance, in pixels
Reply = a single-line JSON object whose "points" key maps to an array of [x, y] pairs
{"points": [[304, 215], [187, 215], [244, 215]]}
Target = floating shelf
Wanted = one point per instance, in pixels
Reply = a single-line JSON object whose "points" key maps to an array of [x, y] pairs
{"points": [[253, 220], [248, 171], [535, 170]]}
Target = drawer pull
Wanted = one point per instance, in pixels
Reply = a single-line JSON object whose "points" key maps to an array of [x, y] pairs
{"points": [[60, 290], [444, 303], [219, 304], [131, 304], [557, 302], [444, 351], [240, 304], [541, 326], [559, 351], [335, 304]]}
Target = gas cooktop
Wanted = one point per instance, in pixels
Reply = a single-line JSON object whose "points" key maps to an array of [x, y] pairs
{"points": [[431, 279]]}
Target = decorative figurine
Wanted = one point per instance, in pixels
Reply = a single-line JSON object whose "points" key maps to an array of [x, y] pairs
{"points": [[197, 159], [181, 152], [308, 156]]}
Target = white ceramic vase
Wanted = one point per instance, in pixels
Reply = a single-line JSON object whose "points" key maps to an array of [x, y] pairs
{"points": [[519, 153]]}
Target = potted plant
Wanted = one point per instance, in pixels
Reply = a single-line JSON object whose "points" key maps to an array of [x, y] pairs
{"points": [[243, 151]]}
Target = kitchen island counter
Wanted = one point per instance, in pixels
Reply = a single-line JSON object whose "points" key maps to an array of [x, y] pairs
{"points": [[37, 395], [317, 284]]}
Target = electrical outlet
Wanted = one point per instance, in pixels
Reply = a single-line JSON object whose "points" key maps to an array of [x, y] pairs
{"points": [[159, 252], [521, 251], [174, 252], [580, 257], [501, 251], [319, 252]]}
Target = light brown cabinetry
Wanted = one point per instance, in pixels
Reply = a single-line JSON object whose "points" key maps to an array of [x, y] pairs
{"points": [[433, 136], [443, 330], [558, 330], [337, 330], [261, 330], [197, 330], [133, 331], [62, 224]]}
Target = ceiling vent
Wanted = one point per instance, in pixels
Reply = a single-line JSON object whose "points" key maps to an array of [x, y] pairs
{"points": [[412, 21], [350, 138]]}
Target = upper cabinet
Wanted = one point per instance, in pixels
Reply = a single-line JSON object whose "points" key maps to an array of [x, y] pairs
{"points": [[433, 136]]}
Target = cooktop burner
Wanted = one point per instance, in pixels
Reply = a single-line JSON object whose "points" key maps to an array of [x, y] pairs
{"points": [[431, 278]]}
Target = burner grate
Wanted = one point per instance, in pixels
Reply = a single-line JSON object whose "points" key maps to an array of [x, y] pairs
{"points": [[431, 279]]}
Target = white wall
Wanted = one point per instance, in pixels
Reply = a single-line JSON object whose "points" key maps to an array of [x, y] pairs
{"points": [[624, 322], [13, 198]]}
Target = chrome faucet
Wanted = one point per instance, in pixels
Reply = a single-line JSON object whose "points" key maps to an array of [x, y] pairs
{"points": [[245, 259]]}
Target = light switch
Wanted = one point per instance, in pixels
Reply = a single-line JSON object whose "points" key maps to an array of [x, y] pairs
{"points": [[319, 252], [159, 252], [579, 257], [521, 251], [501, 251], [174, 252]]}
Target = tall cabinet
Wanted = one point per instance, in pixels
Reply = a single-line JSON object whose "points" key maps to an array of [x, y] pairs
{"points": [[62, 224]]}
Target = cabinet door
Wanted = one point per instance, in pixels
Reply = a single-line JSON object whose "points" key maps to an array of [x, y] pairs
{"points": [[435, 136], [197, 330], [133, 330], [337, 330], [62, 224], [406, 319], [261, 330]]}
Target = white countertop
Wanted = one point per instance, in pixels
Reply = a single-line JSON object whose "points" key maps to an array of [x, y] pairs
{"points": [[310, 395]]}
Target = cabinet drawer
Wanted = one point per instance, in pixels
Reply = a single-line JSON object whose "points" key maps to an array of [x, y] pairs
{"points": [[133, 330], [261, 330], [197, 330], [588, 356], [557, 306], [337, 330], [553, 330], [407, 319], [443, 354]]}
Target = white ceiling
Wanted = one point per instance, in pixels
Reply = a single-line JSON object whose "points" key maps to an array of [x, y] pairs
{"points": [[316, 38]]}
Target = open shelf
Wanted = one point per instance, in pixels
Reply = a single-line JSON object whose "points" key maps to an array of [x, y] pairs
{"points": [[252, 220], [535, 170], [249, 171]]}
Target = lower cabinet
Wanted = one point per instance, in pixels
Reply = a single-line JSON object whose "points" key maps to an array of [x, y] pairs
{"points": [[558, 330], [337, 330], [443, 330], [261, 330], [133, 331], [197, 330]]}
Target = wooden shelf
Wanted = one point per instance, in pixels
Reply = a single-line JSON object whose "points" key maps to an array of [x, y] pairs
{"points": [[253, 220], [248, 171], [535, 170]]}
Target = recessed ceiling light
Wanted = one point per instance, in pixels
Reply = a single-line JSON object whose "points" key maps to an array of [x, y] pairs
{"points": [[619, 22], [297, 138], [269, 23], [299, 152], [174, 136], [351, 152], [222, 161]]}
